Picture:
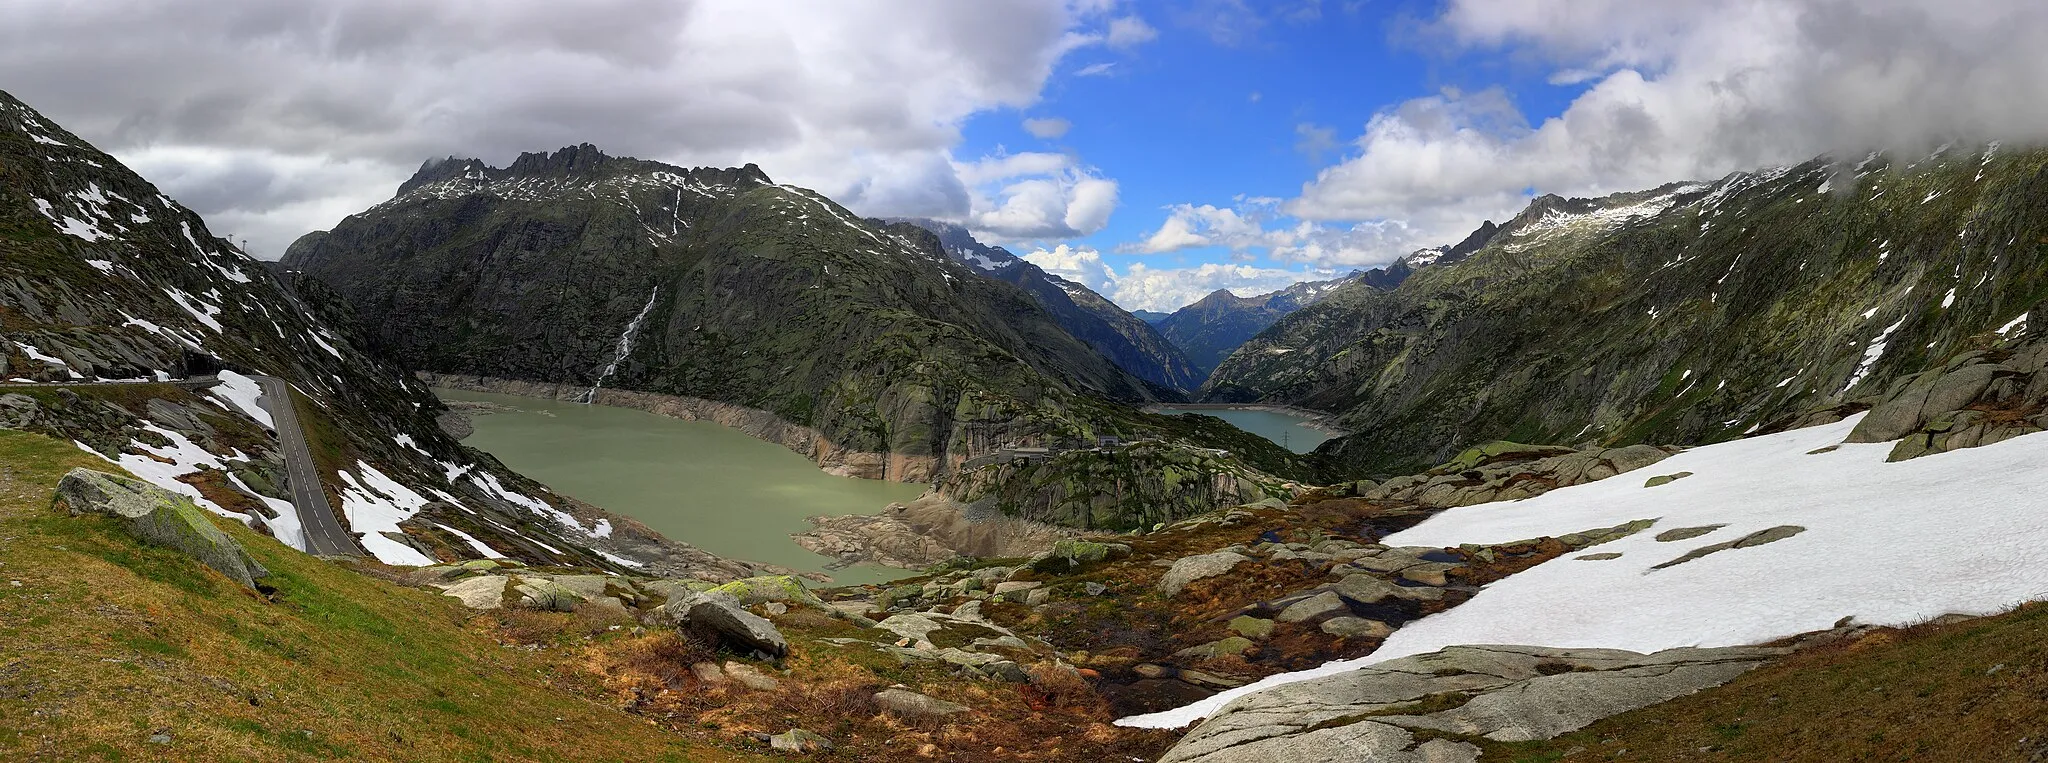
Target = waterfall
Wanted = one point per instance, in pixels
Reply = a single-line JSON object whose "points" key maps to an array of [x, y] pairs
{"points": [[625, 345]]}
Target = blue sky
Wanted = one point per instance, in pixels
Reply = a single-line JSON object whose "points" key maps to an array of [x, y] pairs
{"points": [[1207, 143], [1222, 101]]}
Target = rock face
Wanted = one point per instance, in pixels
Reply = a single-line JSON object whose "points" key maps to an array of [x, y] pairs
{"points": [[1502, 693], [159, 517], [589, 270], [1686, 314], [1133, 344], [1124, 487], [1978, 397]]}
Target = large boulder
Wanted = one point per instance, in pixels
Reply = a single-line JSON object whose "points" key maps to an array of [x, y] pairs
{"points": [[909, 703], [160, 518], [481, 592], [1192, 568], [546, 594], [1068, 554], [720, 618]]}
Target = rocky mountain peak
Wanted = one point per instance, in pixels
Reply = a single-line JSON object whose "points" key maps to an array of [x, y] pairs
{"points": [[564, 161]]}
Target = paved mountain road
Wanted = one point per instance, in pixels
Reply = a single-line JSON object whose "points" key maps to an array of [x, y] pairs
{"points": [[324, 533]]}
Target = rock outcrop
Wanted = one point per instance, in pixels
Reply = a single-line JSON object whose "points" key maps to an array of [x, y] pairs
{"points": [[924, 532], [1977, 398], [1120, 487], [1501, 693], [160, 518], [1504, 471]]}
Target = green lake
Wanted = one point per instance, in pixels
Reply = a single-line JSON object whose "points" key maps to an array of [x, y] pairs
{"points": [[696, 482], [1285, 428]]}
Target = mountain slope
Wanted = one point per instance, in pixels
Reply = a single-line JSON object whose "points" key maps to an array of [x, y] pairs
{"points": [[584, 269], [1214, 326], [104, 279], [1685, 314], [119, 650], [1123, 337]]}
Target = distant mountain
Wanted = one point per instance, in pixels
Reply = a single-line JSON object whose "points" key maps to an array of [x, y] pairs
{"points": [[1213, 327], [1689, 313], [871, 347], [1150, 316], [1126, 339]]}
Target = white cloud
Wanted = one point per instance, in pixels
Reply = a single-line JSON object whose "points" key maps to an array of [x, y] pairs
{"points": [[1144, 287], [1096, 70], [1130, 31], [1049, 128], [1685, 89], [1035, 196], [1188, 226], [861, 99]]}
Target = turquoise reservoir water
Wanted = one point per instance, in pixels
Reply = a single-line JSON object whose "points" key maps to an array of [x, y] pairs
{"points": [[700, 483], [1284, 428]]}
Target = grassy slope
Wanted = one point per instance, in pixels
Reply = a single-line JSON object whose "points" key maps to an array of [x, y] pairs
{"points": [[105, 642], [1967, 691]]}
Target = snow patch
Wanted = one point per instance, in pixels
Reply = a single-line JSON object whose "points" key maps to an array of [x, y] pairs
{"points": [[374, 505], [1855, 508], [239, 393]]}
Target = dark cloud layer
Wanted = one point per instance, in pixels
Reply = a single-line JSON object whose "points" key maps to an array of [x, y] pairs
{"points": [[276, 117]]}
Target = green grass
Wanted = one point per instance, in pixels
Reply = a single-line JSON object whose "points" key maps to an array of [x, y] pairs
{"points": [[107, 642]]}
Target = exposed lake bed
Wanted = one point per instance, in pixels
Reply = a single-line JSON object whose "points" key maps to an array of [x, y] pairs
{"points": [[696, 482]]}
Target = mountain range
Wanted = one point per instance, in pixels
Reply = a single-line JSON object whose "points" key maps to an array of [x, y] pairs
{"points": [[1691, 313]]}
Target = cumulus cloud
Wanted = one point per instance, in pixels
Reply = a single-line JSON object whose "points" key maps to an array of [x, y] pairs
{"points": [[1130, 31], [276, 114], [1035, 196], [1676, 90], [1049, 128], [1144, 287], [1690, 89]]}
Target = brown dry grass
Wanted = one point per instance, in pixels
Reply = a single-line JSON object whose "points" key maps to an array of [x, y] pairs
{"points": [[1967, 691]]}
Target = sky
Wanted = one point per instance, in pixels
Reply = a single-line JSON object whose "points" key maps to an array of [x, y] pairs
{"points": [[1154, 151]]}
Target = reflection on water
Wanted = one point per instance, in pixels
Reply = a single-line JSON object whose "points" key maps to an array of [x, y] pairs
{"points": [[701, 483]]}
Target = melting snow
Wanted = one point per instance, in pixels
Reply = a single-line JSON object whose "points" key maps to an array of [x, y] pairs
{"points": [[239, 393], [285, 526], [481, 548], [197, 307], [374, 506], [1871, 353], [1970, 520]]}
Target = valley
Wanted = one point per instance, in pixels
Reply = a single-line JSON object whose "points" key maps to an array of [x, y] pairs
{"points": [[542, 451]]}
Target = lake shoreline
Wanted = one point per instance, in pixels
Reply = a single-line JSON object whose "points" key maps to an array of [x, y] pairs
{"points": [[753, 422], [1311, 419], [702, 483]]}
